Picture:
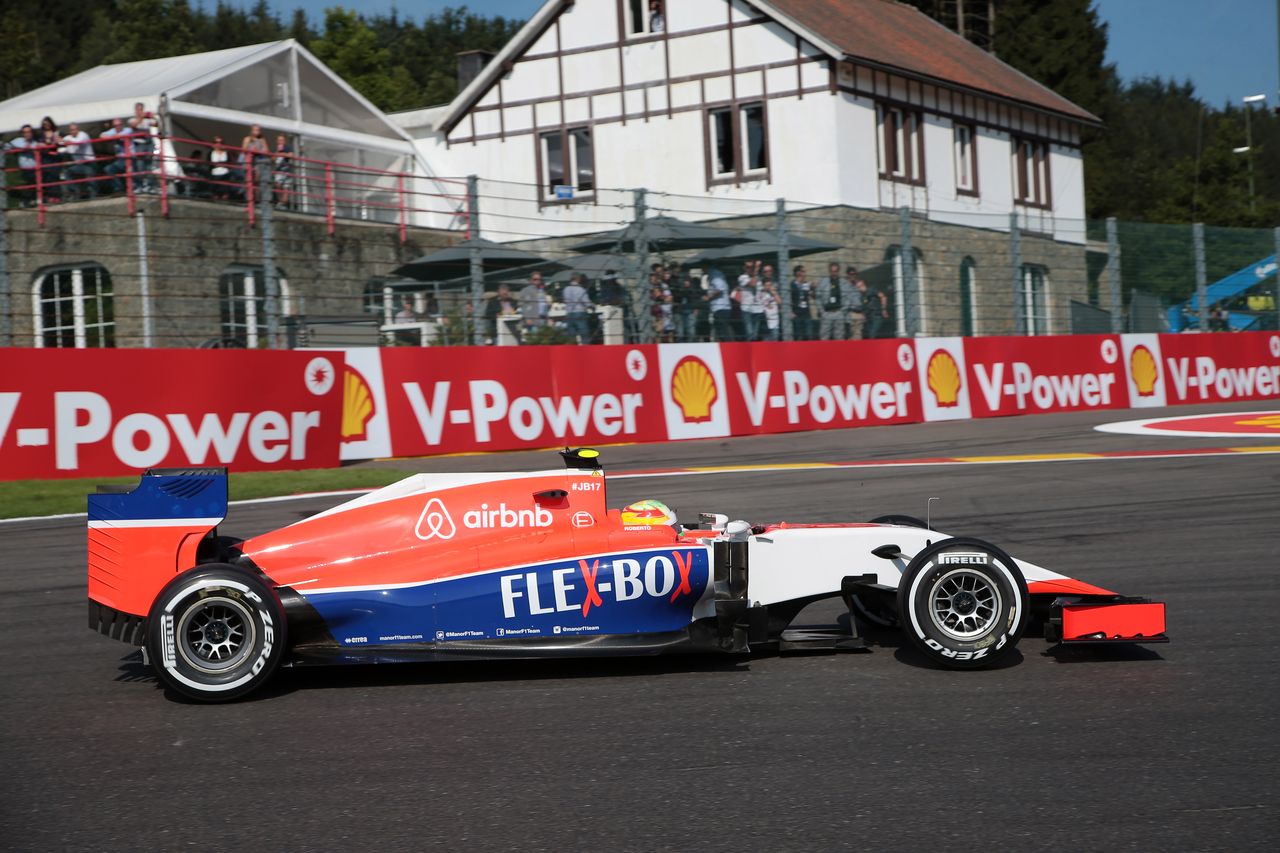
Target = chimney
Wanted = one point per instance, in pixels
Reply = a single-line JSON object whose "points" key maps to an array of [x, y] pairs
{"points": [[470, 64]]}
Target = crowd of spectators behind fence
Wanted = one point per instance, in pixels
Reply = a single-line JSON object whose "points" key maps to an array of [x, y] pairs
{"points": [[685, 304], [51, 165]]}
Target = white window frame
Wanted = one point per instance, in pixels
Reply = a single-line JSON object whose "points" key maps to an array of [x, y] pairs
{"points": [[900, 292], [1035, 322], [629, 9], [572, 166], [247, 294], [739, 137], [965, 142], [898, 137], [81, 329], [972, 265], [1031, 172]]}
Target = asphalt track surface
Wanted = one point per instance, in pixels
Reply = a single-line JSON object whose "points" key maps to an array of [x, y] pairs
{"points": [[1166, 747]]}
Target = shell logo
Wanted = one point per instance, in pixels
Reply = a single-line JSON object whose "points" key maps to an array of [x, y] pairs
{"points": [[943, 376], [1142, 367], [357, 405], [693, 388]]}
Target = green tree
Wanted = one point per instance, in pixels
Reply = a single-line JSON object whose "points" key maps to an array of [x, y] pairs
{"points": [[352, 50]]}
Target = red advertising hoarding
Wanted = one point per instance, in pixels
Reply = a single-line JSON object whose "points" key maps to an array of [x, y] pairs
{"points": [[1200, 368], [1028, 375], [84, 413], [490, 398]]}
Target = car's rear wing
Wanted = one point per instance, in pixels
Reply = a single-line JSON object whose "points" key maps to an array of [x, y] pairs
{"points": [[140, 538]]}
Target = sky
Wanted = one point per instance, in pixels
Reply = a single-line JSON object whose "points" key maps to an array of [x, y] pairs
{"points": [[1226, 48]]}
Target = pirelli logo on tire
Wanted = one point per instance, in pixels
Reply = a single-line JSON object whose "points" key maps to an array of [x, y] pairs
{"points": [[963, 558]]}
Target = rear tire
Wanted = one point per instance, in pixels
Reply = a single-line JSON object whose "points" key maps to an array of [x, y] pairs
{"points": [[216, 633], [963, 603]]}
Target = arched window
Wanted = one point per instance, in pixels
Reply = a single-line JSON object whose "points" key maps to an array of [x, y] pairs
{"points": [[1035, 300], [968, 298], [242, 289], [908, 313], [72, 306]]}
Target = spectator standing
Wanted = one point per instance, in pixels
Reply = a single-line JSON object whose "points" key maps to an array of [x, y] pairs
{"points": [[501, 305], [534, 303], [685, 298], [772, 304], [121, 148], [282, 177], [802, 304], [720, 304], [857, 304], [657, 20], [48, 142], [79, 151], [144, 129], [877, 313], [219, 171], [833, 296], [25, 144], [577, 309], [1218, 318], [254, 151], [747, 295]]}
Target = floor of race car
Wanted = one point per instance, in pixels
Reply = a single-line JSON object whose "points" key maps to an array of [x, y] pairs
{"points": [[1164, 747]]}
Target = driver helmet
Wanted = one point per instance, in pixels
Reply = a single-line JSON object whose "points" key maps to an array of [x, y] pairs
{"points": [[648, 513]]}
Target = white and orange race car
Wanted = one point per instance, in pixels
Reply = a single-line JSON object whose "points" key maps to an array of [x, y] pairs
{"points": [[516, 565]]}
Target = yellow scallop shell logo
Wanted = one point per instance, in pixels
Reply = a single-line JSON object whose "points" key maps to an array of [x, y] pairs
{"points": [[694, 389], [1142, 367], [944, 378], [357, 405]]}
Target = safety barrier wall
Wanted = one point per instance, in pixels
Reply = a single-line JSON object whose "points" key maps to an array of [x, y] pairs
{"points": [[70, 413]]}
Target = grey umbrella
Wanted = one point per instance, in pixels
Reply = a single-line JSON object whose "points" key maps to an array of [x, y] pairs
{"points": [[764, 246], [454, 263], [592, 266], [663, 233]]}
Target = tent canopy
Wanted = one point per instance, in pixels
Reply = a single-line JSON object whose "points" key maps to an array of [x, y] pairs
{"points": [[280, 85]]}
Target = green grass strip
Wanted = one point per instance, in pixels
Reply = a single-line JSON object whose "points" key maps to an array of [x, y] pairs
{"points": [[21, 498]]}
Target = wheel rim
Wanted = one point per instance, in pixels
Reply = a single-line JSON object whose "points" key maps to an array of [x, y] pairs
{"points": [[216, 634], [964, 604]]}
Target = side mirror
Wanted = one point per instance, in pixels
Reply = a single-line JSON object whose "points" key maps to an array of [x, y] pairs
{"points": [[887, 552]]}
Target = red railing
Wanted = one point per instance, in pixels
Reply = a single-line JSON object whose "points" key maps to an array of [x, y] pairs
{"points": [[330, 189]]}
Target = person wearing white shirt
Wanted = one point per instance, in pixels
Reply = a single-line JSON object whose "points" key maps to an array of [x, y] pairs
{"points": [[747, 295], [79, 149]]}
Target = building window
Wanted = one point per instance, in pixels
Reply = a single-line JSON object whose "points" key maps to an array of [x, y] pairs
{"points": [[738, 142], [72, 307], [901, 144], [1031, 173], [1035, 300], [966, 155], [243, 304], [908, 297], [645, 17], [968, 325], [568, 164]]}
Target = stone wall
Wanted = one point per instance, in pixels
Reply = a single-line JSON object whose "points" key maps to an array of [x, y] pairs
{"points": [[189, 250]]}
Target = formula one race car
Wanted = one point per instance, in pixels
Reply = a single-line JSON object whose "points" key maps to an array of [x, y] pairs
{"points": [[475, 566]]}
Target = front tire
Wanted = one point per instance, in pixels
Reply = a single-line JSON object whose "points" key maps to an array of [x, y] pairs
{"points": [[216, 633], [963, 603]]}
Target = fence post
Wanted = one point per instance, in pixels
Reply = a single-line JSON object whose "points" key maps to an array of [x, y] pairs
{"points": [[161, 176], [6, 305], [39, 189], [477, 265], [1015, 273], [1113, 276], [328, 197], [404, 231], [1202, 297], [911, 299], [644, 306], [144, 284], [784, 269], [270, 281], [128, 176]]}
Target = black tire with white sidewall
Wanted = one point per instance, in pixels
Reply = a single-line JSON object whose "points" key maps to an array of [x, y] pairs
{"points": [[216, 633], [963, 602]]}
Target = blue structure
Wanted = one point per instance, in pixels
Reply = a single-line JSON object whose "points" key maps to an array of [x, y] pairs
{"points": [[1224, 288]]}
